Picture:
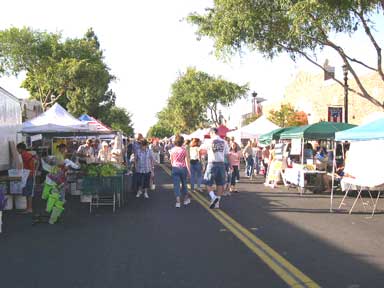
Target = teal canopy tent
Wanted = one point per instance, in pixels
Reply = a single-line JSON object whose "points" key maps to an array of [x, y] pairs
{"points": [[371, 131]]}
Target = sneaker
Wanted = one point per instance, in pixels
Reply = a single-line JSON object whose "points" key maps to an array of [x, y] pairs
{"points": [[146, 196], [177, 205], [217, 205], [213, 202], [138, 194], [187, 201]]}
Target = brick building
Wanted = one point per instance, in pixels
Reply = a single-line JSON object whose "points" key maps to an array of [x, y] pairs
{"points": [[324, 100]]}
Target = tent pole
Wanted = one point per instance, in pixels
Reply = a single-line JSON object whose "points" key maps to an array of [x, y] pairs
{"points": [[302, 151], [333, 174]]}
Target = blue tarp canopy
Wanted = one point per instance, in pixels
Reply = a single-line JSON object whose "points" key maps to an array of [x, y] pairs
{"points": [[371, 131]]}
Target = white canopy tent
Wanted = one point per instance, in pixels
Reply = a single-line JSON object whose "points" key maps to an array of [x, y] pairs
{"points": [[252, 131], [199, 133], [54, 120]]}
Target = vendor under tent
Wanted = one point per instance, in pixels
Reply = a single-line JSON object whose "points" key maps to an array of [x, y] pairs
{"points": [[300, 134], [363, 169], [252, 131]]}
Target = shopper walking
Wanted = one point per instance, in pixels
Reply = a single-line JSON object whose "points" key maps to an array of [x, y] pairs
{"points": [[195, 161], [217, 150], [180, 169], [144, 162], [234, 160], [248, 156]]}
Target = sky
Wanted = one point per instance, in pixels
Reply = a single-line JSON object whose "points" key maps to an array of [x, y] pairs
{"points": [[147, 44]]}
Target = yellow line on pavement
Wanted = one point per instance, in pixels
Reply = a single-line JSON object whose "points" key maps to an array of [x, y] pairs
{"points": [[285, 270]]}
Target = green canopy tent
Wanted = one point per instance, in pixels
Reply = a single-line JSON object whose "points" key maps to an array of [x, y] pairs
{"points": [[266, 139], [317, 131]]}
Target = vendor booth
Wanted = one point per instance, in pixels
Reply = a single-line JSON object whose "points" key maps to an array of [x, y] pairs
{"points": [[363, 164], [308, 166], [95, 182]]}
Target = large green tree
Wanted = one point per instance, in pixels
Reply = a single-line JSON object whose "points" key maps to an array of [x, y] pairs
{"points": [[119, 119], [71, 72], [300, 28], [196, 99]]}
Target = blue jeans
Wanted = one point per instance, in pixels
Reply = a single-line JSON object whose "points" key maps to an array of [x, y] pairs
{"points": [[235, 175], [196, 175], [257, 164], [249, 165], [179, 175]]}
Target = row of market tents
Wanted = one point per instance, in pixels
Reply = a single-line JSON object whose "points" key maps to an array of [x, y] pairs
{"points": [[58, 121]]}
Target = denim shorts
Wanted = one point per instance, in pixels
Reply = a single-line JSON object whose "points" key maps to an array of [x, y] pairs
{"points": [[215, 174], [28, 189]]}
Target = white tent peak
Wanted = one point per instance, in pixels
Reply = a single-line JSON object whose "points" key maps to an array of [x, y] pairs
{"points": [[55, 119], [252, 131]]}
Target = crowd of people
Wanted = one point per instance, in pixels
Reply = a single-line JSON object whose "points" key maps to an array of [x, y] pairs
{"points": [[214, 163]]}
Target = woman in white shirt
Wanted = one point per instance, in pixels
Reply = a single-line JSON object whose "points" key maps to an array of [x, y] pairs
{"points": [[195, 161]]}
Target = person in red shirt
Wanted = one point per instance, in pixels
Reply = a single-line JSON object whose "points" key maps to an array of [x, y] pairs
{"points": [[28, 163]]}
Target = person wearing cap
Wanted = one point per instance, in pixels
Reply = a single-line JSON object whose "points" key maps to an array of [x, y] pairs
{"points": [[104, 154], [85, 151], [217, 150]]}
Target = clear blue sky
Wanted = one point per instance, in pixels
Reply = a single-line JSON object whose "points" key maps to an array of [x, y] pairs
{"points": [[146, 45]]}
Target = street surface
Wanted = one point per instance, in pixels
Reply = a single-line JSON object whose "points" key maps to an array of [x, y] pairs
{"points": [[262, 237]]}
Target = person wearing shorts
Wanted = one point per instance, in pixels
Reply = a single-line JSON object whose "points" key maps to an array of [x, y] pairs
{"points": [[217, 151]]}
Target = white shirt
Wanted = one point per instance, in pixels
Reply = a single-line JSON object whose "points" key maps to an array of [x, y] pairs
{"points": [[217, 149]]}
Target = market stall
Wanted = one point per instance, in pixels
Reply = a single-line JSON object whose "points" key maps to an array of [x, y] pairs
{"points": [[58, 128], [362, 169], [303, 173]]}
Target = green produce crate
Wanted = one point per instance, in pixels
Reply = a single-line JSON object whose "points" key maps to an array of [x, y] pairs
{"points": [[104, 190]]}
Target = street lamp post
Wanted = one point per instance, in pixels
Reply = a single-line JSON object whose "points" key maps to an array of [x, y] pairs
{"points": [[345, 72], [254, 95]]}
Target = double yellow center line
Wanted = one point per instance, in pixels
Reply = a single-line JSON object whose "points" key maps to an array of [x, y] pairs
{"points": [[285, 270]]}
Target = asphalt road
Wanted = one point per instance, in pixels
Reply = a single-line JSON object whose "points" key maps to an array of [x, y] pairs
{"points": [[262, 237]]}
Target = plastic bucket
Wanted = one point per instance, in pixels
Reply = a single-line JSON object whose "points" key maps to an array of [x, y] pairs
{"points": [[21, 202], [56, 212], [9, 205]]}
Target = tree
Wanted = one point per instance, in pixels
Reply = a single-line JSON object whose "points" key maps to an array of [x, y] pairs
{"points": [[71, 72], [287, 116], [300, 28], [159, 131], [197, 96], [118, 119]]}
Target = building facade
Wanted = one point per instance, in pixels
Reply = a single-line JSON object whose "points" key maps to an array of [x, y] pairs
{"points": [[324, 100]]}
